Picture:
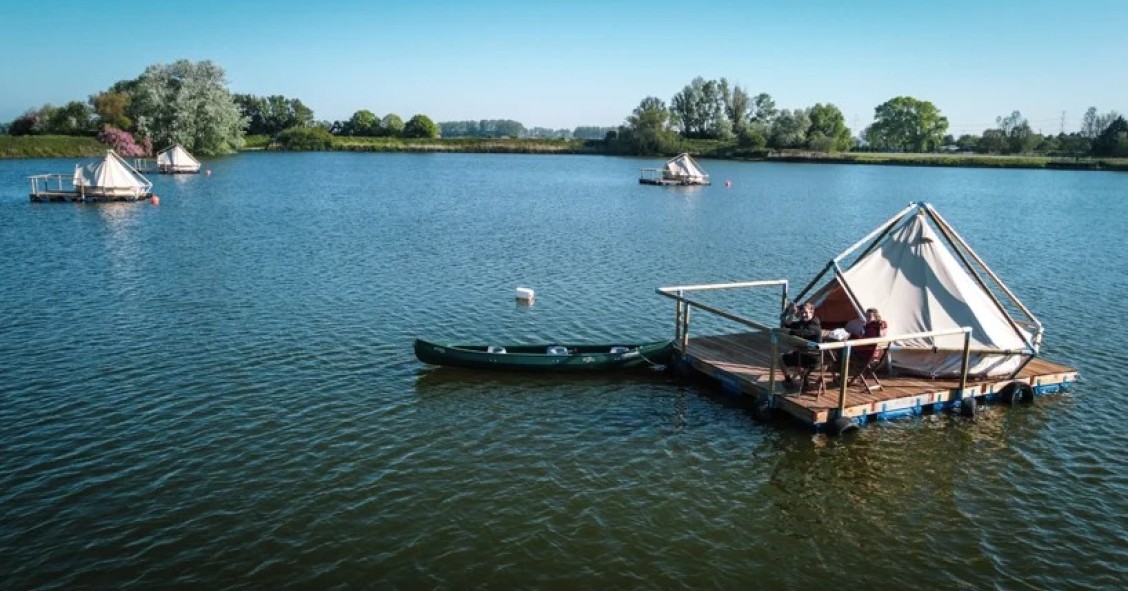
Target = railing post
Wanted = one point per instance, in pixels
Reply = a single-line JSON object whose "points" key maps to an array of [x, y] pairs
{"points": [[773, 338], [966, 361], [685, 329], [678, 305], [843, 379]]}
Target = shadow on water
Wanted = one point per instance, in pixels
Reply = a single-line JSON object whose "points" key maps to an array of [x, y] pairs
{"points": [[444, 381]]}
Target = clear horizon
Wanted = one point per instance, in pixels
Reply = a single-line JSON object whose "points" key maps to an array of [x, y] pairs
{"points": [[588, 63]]}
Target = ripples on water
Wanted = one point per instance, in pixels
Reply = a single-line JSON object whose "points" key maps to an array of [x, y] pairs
{"points": [[219, 392]]}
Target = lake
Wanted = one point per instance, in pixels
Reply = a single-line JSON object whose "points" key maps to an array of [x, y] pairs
{"points": [[219, 391]]}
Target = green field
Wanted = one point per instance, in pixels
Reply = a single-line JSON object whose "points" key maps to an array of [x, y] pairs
{"points": [[49, 146]]}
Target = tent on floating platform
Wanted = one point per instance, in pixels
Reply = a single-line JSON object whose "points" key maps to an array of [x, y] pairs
{"points": [[922, 276], [176, 160], [679, 170], [110, 179]]}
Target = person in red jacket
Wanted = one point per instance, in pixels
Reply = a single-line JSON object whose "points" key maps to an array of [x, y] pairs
{"points": [[875, 327]]}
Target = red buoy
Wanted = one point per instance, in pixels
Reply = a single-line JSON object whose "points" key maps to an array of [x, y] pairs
{"points": [[155, 200]]}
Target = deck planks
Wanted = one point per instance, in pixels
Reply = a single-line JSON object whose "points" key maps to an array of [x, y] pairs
{"points": [[742, 362]]}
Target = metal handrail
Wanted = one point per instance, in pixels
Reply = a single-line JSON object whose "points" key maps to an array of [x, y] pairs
{"points": [[681, 332]]}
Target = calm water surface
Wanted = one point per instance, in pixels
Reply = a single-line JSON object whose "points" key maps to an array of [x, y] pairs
{"points": [[219, 392]]}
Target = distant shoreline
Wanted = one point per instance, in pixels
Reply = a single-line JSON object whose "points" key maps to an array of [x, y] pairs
{"points": [[83, 147]]}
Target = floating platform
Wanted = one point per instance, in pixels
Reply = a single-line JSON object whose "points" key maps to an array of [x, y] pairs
{"points": [[742, 363], [671, 182], [71, 196], [111, 179]]}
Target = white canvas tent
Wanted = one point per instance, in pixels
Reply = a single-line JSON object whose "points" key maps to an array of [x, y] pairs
{"points": [[175, 159], [684, 169], [110, 178], [923, 277]]}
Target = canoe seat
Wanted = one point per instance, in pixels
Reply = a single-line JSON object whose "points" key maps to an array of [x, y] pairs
{"points": [[619, 350], [495, 349], [557, 350]]}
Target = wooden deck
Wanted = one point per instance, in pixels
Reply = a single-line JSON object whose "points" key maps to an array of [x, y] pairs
{"points": [[741, 363]]}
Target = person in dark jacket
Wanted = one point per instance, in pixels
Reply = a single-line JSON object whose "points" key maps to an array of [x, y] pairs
{"points": [[805, 326]]}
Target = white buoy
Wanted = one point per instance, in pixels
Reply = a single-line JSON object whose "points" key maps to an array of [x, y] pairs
{"points": [[525, 295]]}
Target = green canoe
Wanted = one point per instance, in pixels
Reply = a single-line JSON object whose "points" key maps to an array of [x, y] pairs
{"points": [[549, 357]]}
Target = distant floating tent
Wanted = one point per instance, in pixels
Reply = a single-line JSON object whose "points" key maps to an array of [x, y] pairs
{"points": [[110, 179], [925, 279], [679, 170], [176, 160]]}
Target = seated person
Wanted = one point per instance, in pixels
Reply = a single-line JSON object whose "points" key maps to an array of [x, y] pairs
{"points": [[874, 327], [856, 328], [806, 326]]}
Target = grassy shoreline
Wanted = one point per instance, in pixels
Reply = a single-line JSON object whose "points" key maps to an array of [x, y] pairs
{"points": [[72, 146], [50, 146]]}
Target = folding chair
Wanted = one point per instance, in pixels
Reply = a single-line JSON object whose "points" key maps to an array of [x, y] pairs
{"points": [[865, 371], [821, 372]]}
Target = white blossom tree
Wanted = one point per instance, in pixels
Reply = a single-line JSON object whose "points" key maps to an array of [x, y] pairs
{"points": [[188, 103]]}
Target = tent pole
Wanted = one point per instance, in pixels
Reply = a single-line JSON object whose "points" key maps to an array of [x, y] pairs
{"points": [[883, 227], [804, 291], [849, 292]]}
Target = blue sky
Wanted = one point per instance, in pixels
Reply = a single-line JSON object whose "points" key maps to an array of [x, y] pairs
{"points": [[561, 64]]}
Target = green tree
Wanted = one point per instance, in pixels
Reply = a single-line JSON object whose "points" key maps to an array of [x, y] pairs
{"points": [[738, 109], [500, 128], [1073, 144], [647, 130], [305, 138], [363, 123], [699, 110], [1020, 138], [272, 114], [74, 118], [789, 130], [1113, 141], [752, 137], [1094, 123], [393, 126], [451, 129], [994, 141], [764, 110], [828, 122], [188, 103], [112, 108], [588, 132], [30, 123], [420, 126], [907, 124], [968, 142]]}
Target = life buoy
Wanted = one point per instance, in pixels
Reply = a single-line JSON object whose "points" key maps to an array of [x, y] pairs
{"points": [[1016, 392]]}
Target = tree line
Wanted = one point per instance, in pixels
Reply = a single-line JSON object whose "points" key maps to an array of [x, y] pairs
{"points": [[717, 110], [188, 103]]}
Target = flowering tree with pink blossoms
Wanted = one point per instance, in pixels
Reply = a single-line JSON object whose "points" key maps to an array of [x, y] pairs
{"points": [[123, 143]]}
